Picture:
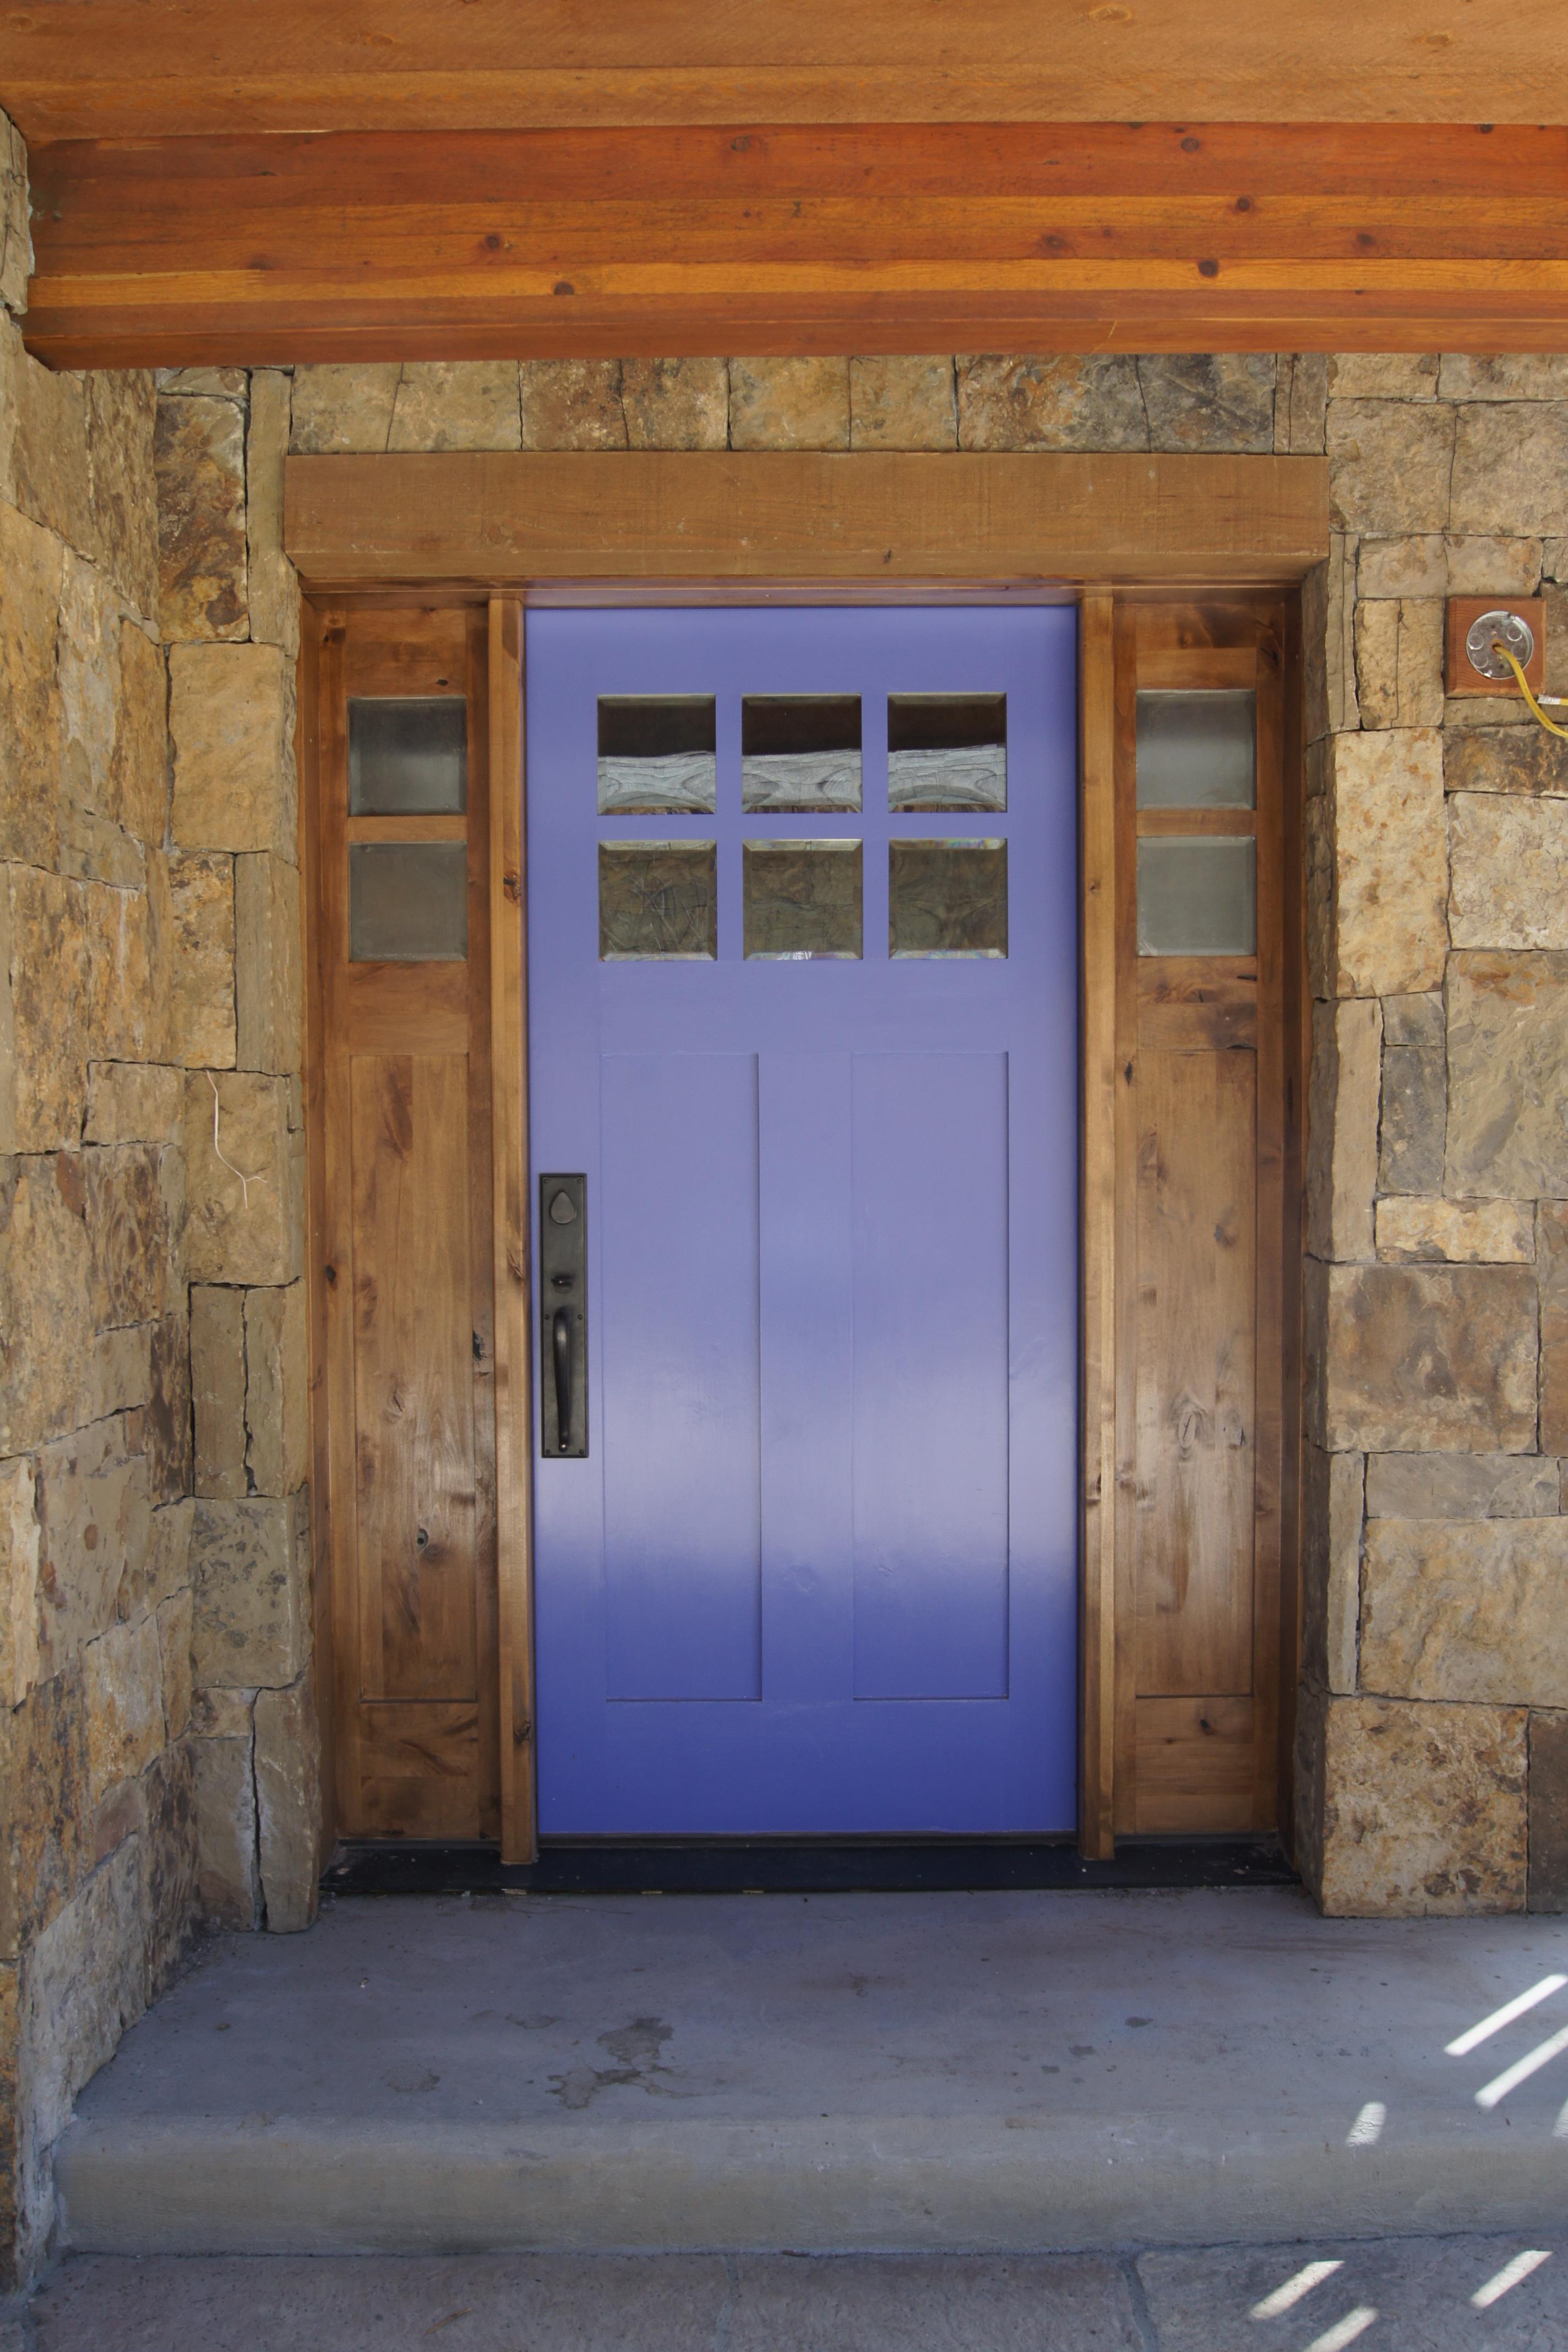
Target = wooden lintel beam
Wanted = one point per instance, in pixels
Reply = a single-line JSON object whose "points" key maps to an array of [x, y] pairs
{"points": [[713, 518]]}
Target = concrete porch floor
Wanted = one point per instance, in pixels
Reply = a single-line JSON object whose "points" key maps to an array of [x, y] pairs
{"points": [[921, 2074]]}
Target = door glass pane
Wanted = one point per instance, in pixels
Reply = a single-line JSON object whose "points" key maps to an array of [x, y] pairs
{"points": [[803, 898], [408, 755], [1196, 749], [800, 753], [408, 902], [657, 898], [1197, 896], [947, 751], [947, 897], [656, 755]]}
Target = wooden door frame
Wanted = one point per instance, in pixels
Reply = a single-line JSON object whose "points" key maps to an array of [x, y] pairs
{"points": [[508, 530]]}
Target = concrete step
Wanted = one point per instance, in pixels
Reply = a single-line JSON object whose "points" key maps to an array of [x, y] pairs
{"points": [[1016, 2071]]}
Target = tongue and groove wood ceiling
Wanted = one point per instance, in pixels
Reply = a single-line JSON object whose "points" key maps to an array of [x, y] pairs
{"points": [[443, 178]]}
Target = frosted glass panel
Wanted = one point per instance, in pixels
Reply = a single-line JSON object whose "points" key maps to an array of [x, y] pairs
{"points": [[800, 753], [408, 902], [1198, 897], [947, 897], [657, 898], [1195, 750], [947, 751], [803, 898], [656, 755], [408, 755]]}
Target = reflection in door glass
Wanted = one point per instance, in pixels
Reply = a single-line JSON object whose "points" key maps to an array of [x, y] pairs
{"points": [[656, 755], [800, 753], [947, 897], [803, 898], [656, 899], [408, 902], [947, 751], [1196, 748], [1197, 896], [408, 755]]}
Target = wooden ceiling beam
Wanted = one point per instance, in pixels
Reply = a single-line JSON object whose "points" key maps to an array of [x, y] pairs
{"points": [[1154, 237], [153, 68]]}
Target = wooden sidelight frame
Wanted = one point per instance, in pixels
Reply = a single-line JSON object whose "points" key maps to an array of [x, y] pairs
{"points": [[1205, 551]]}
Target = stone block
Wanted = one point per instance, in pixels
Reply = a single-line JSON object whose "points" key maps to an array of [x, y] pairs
{"points": [[195, 382], [121, 409], [342, 410], [902, 404], [1399, 662], [1549, 1812], [1554, 623], [1508, 863], [1403, 567], [1388, 920], [277, 1391], [45, 1824], [133, 1102], [676, 403], [1461, 1486], [32, 566], [51, 475], [119, 1371], [251, 1570], [83, 1982], [1494, 566], [168, 1865], [45, 1294], [218, 1390], [268, 984], [1389, 465], [228, 1886], [222, 1713], [1511, 468], [199, 450], [1424, 1809], [122, 1680], [571, 404], [1051, 403], [1551, 1266], [174, 1620], [164, 1422], [789, 403], [1209, 400], [19, 1590], [1508, 1076], [1510, 759], [201, 1001], [1342, 1127], [1384, 375], [1331, 1506], [1328, 627], [246, 1180], [165, 1562], [456, 405], [15, 224], [128, 935], [138, 783], [1415, 1108], [1466, 1609], [273, 589], [1300, 403], [230, 711], [1440, 1357], [1412, 1232], [90, 680], [289, 1805], [94, 1527], [135, 1218], [1508, 376], [51, 996]]}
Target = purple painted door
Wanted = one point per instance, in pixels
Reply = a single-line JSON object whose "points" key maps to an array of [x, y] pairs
{"points": [[803, 1011]]}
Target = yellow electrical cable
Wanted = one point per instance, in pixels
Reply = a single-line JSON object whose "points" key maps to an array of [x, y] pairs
{"points": [[1523, 684]]}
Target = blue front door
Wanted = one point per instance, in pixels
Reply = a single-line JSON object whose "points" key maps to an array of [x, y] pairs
{"points": [[802, 1017]]}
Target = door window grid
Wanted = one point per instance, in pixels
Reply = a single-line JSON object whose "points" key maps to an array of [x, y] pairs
{"points": [[802, 900]]}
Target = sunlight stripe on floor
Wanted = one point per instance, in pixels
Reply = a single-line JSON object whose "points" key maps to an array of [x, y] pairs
{"points": [[1521, 2070], [1509, 2277], [1286, 2297], [1344, 2331], [1476, 2034], [1367, 2127]]}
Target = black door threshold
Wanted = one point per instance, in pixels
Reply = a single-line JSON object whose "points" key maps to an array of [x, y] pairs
{"points": [[802, 1866]]}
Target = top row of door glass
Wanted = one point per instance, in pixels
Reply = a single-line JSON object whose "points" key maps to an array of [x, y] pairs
{"points": [[1196, 749], [800, 753]]}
